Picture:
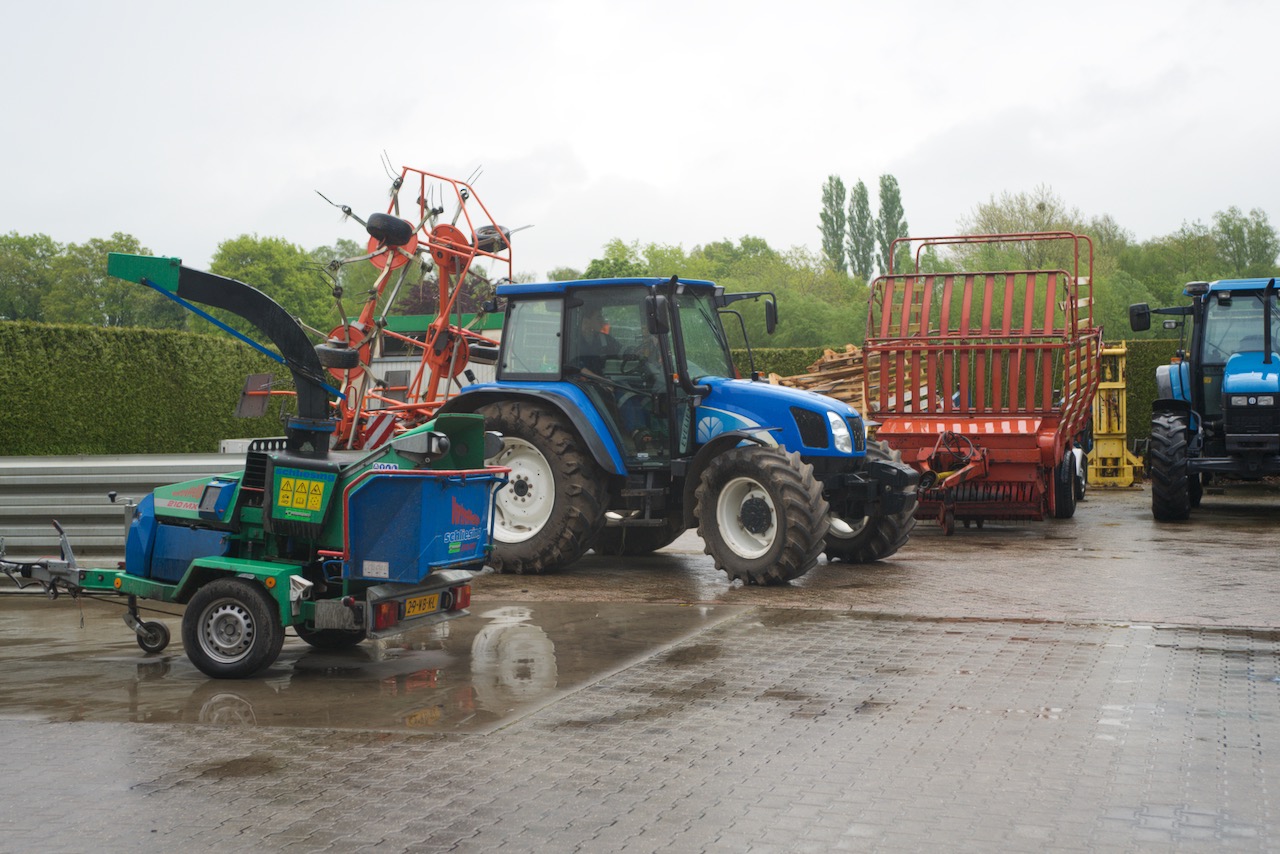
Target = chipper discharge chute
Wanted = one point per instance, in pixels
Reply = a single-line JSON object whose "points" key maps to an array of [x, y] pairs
{"points": [[984, 381], [340, 545]]}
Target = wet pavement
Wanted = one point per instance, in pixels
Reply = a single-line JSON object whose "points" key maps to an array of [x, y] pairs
{"points": [[1102, 683]]}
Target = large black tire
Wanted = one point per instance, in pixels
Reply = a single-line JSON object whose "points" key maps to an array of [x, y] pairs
{"points": [[634, 541], [232, 629], [1082, 478], [872, 538], [549, 513], [761, 514], [330, 638], [1170, 484], [1064, 487]]}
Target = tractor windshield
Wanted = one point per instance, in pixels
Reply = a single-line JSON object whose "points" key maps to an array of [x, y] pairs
{"points": [[706, 348], [1233, 324]]}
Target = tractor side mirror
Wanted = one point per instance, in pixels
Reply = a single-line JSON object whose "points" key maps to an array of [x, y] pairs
{"points": [[770, 316], [1140, 317]]}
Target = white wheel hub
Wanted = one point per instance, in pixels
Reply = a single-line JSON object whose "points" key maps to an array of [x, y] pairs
{"points": [[747, 518], [524, 505]]}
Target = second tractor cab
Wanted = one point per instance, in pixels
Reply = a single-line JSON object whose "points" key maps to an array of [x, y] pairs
{"points": [[1216, 411]]}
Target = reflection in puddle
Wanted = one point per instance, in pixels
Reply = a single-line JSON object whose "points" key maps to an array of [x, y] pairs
{"points": [[474, 673]]}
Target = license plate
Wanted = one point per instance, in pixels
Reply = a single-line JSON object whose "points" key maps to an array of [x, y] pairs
{"points": [[422, 605]]}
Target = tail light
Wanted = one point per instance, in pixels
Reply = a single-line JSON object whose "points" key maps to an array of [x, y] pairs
{"points": [[385, 615], [461, 597]]}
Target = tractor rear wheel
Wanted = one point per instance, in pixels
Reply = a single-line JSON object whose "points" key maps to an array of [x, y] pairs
{"points": [[552, 507], [232, 629], [1170, 482], [761, 514], [873, 537]]}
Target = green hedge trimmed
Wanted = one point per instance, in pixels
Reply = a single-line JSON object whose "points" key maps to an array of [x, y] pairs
{"points": [[88, 390]]}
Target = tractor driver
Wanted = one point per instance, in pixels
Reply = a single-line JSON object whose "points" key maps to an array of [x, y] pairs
{"points": [[595, 344]]}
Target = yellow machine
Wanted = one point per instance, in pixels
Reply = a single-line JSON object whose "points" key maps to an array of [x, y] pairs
{"points": [[1112, 463]]}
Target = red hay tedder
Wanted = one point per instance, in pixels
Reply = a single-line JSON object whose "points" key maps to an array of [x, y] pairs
{"points": [[985, 381]]}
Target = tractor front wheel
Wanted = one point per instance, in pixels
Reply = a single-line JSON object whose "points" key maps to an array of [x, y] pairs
{"points": [[761, 514], [552, 507], [872, 538], [232, 629], [1170, 482]]}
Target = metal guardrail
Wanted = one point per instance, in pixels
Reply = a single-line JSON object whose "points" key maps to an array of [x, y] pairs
{"points": [[73, 490]]}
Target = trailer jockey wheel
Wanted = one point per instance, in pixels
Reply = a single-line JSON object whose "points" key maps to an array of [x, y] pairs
{"points": [[153, 636]]}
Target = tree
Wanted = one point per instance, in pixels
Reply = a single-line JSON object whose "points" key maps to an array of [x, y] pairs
{"points": [[862, 232], [26, 274], [832, 223], [1020, 213], [620, 260], [891, 224], [1247, 246], [283, 271], [82, 292], [563, 274]]}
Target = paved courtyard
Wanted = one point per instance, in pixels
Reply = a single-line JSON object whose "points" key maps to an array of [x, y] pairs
{"points": [[1101, 684]]}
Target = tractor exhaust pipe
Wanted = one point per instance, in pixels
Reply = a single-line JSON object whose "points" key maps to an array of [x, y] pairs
{"points": [[1266, 320]]}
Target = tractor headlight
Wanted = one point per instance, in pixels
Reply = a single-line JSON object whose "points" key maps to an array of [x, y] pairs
{"points": [[1239, 400], [840, 432], [1266, 400]]}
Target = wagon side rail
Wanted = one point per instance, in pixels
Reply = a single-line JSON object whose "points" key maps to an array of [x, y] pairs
{"points": [[963, 344]]}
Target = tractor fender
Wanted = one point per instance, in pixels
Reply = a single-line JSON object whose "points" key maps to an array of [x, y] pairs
{"points": [[568, 400], [693, 473], [1173, 382]]}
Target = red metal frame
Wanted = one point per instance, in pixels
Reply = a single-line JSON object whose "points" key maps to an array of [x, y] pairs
{"points": [[983, 380], [453, 247]]}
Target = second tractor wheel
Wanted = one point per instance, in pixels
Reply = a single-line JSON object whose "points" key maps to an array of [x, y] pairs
{"points": [[872, 538], [634, 541], [552, 507], [761, 514], [1170, 484]]}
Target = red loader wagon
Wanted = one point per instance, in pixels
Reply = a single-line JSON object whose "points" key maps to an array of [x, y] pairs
{"points": [[985, 381]]}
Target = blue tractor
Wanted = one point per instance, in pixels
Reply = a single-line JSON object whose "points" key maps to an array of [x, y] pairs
{"points": [[625, 423], [1216, 409]]}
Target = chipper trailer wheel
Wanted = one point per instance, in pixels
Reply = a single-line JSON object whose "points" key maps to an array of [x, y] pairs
{"points": [[761, 514], [232, 629], [553, 505]]}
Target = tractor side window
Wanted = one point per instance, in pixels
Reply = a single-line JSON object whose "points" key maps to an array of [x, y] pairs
{"points": [[531, 340]]}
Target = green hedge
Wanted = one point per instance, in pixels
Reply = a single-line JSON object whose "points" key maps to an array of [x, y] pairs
{"points": [[88, 390]]}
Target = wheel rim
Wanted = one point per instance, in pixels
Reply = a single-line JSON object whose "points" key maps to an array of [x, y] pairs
{"points": [[524, 505], [747, 518], [842, 529], [227, 631]]}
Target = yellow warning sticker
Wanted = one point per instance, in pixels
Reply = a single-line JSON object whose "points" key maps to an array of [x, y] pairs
{"points": [[285, 498]]}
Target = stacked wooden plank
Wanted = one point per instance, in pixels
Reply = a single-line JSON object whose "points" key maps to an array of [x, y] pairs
{"points": [[838, 374]]}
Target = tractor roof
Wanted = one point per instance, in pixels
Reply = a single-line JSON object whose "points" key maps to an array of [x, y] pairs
{"points": [[560, 287], [1230, 285]]}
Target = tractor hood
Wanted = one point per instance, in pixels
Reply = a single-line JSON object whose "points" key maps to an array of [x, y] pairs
{"points": [[800, 417], [1246, 373]]}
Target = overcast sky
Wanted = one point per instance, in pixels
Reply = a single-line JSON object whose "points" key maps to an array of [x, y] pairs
{"points": [[186, 124]]}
